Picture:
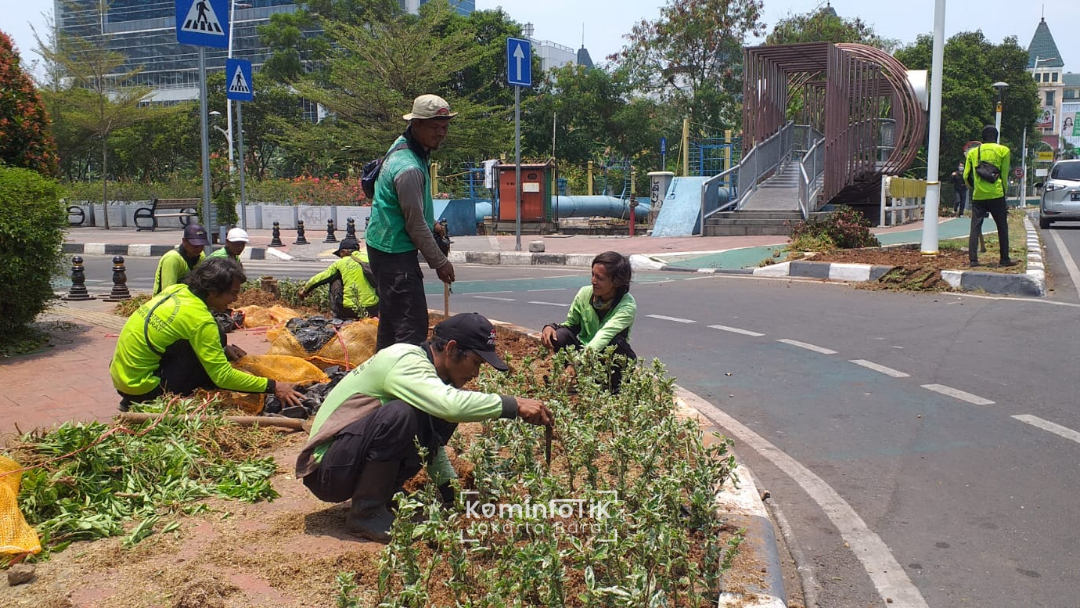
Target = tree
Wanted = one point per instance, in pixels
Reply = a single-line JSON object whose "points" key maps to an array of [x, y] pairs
{"points": [[824, 25], [25, 140], [267, 119], [972, 64], [691, 57]]}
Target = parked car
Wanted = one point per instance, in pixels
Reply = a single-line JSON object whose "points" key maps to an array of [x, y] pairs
{"points": [[1061, 194]]}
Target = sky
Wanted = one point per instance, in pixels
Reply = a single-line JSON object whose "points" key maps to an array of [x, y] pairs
{"points": [[607, 21]]}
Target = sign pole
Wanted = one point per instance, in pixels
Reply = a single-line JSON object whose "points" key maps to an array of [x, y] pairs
{"points": [[205, 145], [240, 163], [517, 163]]}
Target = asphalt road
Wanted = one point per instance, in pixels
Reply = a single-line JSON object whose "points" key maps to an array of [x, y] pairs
{"points": [[1063, 273], [924, 447]]}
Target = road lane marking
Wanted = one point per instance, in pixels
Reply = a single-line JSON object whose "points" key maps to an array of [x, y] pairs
{"points": [[888, 371], [1070, 265], [957, 394], [816, 349], [494, 298], [550, 304], [886, 573], [675, 319], [1046, 425], [549, 289], [736, 330]]}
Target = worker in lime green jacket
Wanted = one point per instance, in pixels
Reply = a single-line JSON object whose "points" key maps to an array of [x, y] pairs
{"points": [[988, 195], [235, 242], [352, 284], [173, 344], [177, 263], [601, 314]]}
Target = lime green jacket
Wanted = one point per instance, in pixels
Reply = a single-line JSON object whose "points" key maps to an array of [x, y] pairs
{"points": [[999, 156], [221, 252], [172, 268], [181, 316], [359, 292], [593, 333]]}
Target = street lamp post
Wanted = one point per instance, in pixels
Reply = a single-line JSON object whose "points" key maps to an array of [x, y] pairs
{"points": [[233, 4], [225, 132], [1000, 86], [933, 183]]}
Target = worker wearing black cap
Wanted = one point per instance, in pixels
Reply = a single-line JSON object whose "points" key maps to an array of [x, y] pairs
{"points": [[351, 282], [177, 263], [363, 440]]}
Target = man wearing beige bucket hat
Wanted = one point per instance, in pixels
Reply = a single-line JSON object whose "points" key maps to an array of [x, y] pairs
{"points": [[403, 222]]}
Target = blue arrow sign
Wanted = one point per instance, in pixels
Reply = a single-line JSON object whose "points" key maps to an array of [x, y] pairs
{"points": [[518, 62], [238, 85], [663, 145], [203, 23]]}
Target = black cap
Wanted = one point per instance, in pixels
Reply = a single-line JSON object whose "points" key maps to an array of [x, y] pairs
{"points": [[195, 234], [472, 332], [348, 244]]}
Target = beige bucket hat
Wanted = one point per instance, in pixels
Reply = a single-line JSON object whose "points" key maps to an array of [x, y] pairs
{"points": [[425, 107]]}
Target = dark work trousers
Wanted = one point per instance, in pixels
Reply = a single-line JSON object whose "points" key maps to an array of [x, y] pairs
{"points": [[403, 313], [337, 302], [390, 434], [181, 372], [566, 338], [996, 208], [961, 200]]}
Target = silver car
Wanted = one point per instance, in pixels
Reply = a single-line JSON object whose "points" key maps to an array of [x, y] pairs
{"points": [[1061, 194]]}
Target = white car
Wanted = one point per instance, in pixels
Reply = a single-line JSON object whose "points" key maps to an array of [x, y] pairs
{"points": [[1061, 194]]}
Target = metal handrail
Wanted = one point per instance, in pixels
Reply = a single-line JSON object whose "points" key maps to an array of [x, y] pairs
{"points": [[807, 191]]}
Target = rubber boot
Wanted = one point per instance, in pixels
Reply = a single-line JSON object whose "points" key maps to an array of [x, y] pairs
{"points": [[368, 516]]}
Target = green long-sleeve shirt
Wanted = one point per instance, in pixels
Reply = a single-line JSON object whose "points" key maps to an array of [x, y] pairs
{"points": [[591, 331], [358, 292], [172, 268], [404, 371], [996, 154], [181, 316]]}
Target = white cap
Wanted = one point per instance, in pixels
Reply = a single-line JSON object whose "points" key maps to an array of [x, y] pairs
{"points": [[237, 235]]}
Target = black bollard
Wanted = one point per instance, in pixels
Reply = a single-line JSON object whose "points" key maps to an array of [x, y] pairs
{"points": [[350, 228], [367, 221], [330, 238], [300, 240], [78, 282], [119, 291], [276, 240]]}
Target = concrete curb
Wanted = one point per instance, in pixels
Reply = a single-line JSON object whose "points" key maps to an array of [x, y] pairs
{"points": [[149, 251]]}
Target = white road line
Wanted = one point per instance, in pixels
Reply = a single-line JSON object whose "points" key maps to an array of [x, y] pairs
{"points": [[1070, 265], [675, 319], [492, 298], [736, 330], [550, 304], [887, 574], [888, 371], [551, 289], [1046, 425], [957, 394], [816, 349]]}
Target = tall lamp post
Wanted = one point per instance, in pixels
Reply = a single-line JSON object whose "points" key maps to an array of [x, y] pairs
{"points": [[1000, 86], [933, 183], [225, 132]]}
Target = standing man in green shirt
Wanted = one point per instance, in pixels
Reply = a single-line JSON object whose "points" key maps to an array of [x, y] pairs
{"points": [[235, 243], [363, 440], [351, 281], [177, 263], [988, 195], [402, 223]]}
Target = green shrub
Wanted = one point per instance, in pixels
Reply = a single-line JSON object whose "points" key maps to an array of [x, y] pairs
{"points": [[31, 234], [844, 228]]}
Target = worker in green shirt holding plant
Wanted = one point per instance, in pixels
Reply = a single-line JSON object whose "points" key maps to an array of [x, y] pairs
{"points": [[351, 283], [177, 263]]}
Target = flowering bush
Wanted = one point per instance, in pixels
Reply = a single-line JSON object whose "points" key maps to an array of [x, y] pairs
{"points": [[309, 190], [24, 137], [844, 228]]}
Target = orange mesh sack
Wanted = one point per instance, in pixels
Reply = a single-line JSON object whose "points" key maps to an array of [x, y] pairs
{"points": [[259, 316], [16, 536], [283, 342], [354, 344], [282, 368]]}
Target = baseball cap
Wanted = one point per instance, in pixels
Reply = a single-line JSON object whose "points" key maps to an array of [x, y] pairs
{"points": [[237, 235], [348, 244], [429, 106], [195, 235], [472, 332]]}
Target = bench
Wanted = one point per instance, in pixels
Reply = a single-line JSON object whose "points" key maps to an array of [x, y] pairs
{"points": [[182, 208], [76, 215]]}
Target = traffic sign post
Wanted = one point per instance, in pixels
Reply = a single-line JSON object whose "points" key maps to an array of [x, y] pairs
{"points": [[239, 88], [203, 23], [518, 74], [663, 154]]}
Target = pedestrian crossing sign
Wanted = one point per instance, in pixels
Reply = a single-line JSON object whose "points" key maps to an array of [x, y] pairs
{"points": [[203, 23], [238, 80]]}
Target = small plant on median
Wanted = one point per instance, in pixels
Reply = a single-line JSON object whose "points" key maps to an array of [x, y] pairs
{"points": [[844, 228]]}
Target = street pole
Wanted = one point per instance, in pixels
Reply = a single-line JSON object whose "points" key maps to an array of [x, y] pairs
{"points": [[933, 186], [997, 120], [240, 140], [1023, 169], [205, 144], [517, 163], [228, 102]]}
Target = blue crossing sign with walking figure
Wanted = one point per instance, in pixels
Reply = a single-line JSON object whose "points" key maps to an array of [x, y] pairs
{"points": [[238, 80], [518, 62], [203, 23]]}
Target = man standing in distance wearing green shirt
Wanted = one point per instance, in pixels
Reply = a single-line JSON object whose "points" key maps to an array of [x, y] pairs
{"points": [[988, 196], [403, 221], [235, 243], [177, 263], [363, 440]]}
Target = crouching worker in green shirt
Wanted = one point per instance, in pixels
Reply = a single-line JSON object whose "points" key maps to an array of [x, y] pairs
{"points": [[601, 314], [173, 344], [177, 263], [351, 282], [363, 440]]}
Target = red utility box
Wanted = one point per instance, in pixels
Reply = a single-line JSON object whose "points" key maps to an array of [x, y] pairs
{"points": [[535, 193]]}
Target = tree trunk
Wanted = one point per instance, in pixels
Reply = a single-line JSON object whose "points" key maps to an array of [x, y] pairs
{"points": [[105, 180]]}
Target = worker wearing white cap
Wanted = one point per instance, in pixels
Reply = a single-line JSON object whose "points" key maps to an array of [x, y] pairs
{"points": [[235, 242]]}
